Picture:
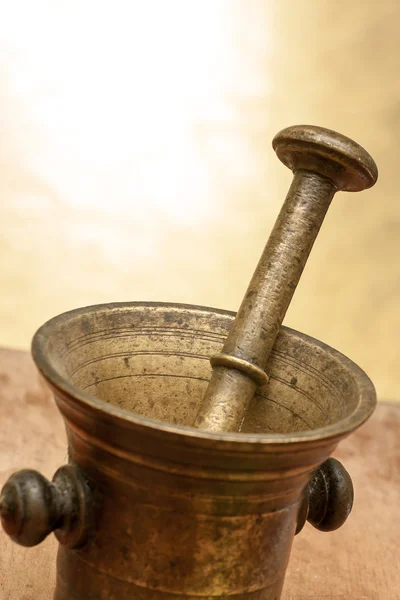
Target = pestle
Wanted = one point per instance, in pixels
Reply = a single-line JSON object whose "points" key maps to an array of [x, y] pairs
{"points": [[323, 162]]}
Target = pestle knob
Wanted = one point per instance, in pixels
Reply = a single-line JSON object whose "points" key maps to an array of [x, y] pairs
{"points": [[328, 498], [31, 507], [328, 154], [323, 162]]}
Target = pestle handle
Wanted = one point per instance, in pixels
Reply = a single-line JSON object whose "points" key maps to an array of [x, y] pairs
{"points": [[323, 162]]}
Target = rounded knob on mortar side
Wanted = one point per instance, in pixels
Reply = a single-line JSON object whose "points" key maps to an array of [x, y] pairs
{"points": [[31, 507], [328, 498]]}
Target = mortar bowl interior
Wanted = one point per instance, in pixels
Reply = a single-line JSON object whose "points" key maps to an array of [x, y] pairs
{"points": [[150, 362]]}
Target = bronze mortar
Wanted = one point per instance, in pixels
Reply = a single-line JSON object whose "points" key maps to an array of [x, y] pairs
{"points": [[181, 490], [167, 511]]}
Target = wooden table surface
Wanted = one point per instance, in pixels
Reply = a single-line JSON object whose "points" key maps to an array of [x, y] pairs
{"points": [[361, 561]]}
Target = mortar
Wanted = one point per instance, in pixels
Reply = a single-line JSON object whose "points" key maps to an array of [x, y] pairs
{"points": [[152, 507]]}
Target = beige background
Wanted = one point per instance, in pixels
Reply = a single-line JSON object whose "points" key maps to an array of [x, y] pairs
{"points": [[136, 160]]}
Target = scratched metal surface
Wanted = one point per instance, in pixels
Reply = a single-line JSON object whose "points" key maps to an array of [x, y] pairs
{"points": [[359, 561], [136, 160]]}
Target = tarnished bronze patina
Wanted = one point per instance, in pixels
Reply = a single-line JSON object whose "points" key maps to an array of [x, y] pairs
{"points": [[323, 162], [164, 497]]}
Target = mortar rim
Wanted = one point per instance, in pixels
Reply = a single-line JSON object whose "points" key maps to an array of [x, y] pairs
{"points": [[338, 430]]}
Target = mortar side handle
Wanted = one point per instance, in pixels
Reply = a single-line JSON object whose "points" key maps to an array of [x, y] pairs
{"points": [[328, 498], [31, 507]]}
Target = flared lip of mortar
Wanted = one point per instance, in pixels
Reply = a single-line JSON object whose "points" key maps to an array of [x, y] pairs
{"points": [[363, 410]]}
